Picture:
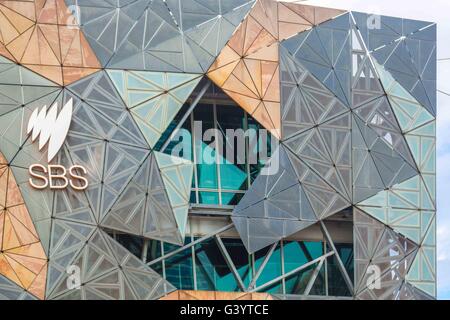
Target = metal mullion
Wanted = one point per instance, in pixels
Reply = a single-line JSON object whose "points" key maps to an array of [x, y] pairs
{"points": [[283, 281], [216, 142], [224, 191], [163, 261], [341, 266], [290, 273], [194, 263], [326, 270], [313, 278], [247, 150], [230, 263], [186, 115], [174, 252], [144, 250], [263, 265], [194, 154]]}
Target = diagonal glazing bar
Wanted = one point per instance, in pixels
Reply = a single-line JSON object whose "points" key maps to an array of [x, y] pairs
{"points": [[263, 265], [230, 263], [290, 273], [193, 243], [341, 266], [313, 278], [186, 115]]}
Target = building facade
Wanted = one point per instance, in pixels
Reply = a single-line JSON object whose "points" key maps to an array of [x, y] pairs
{"points": [[215, 149]]}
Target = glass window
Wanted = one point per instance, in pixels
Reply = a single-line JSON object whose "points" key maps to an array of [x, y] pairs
{"points": [[297, 253], [212, 271], [272, 269], [223, 171], [179, 268], [336, 282], [296, 284]]}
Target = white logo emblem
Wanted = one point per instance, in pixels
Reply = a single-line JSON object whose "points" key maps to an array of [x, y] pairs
{"points": [[51, 127]]}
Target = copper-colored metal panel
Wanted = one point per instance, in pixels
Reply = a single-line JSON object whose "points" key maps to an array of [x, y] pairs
{"points": [[70, 46], [262, 116], [254, 69], [263, 40], [2, 218], [270, 81], [53, 73], [22, 257], [235, 84], [49, 43], [51, 35], [285, 14], [307, 12], [7, 271], [89, 59], [219, 76], [18, 45], [71, 75], [4, 52], [203, 295], [30, 250], [245, 102], [3, 161], [269, 53], [226, 56], [21, 213], [288, 30], [24, 8], [32, 51], [10, 238], [23, 234], [242, 73], [20, 22], [186, 295], [172, 296], [226, 295], [274, 111], [38, 286], [3, 186], [13, 195], [325, 14], [237, 41], [64, 15], [48, 13], [215, 295], [253, 79], [33, 264], [25, 276], [266, 13], [8, 32], [251, 33], [245, 296]]}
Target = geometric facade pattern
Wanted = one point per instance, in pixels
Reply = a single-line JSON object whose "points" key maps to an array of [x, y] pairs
{"points": [[247, 69], [22, 258], [45, 38], [154, 98], [208, 295], [353, 109]]}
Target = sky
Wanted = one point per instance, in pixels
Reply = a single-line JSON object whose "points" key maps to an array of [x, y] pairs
{"points": [[435, 11]]}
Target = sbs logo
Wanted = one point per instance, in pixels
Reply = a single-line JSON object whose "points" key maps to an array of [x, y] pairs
{"points": [[52, 130]]}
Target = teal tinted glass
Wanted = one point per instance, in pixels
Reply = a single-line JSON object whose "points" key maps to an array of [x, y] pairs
{"points": [[272, 269], [212, 271], [296, 284], [298, 253], [179, 268]]}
